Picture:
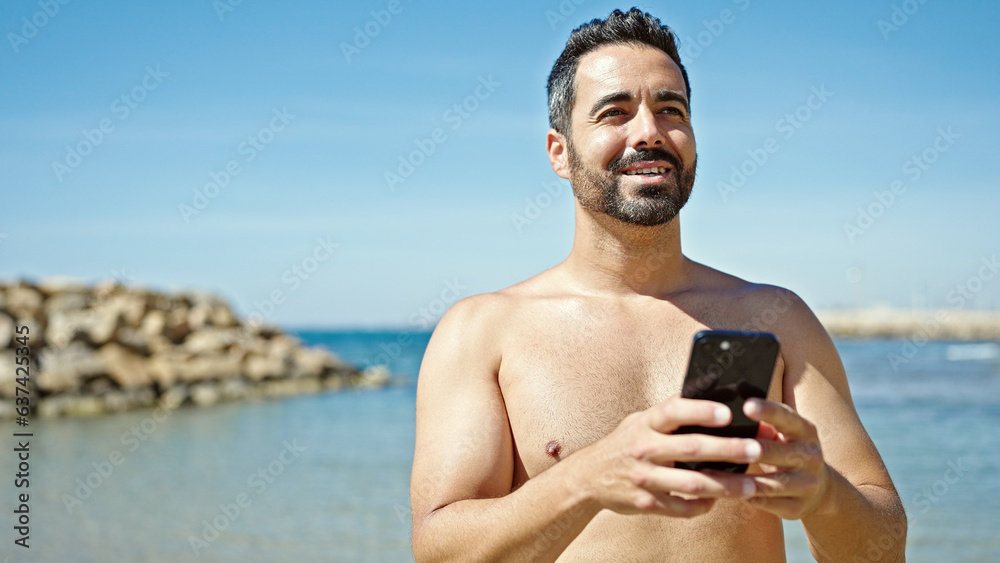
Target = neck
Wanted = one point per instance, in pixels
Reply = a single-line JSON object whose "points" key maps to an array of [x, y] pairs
{"points": [[610, 256]]}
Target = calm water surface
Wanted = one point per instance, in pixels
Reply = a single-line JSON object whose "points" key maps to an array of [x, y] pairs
{"points": [[325, 478]]}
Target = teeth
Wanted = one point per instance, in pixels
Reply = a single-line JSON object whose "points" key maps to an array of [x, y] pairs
{"points": [[659, 170]]}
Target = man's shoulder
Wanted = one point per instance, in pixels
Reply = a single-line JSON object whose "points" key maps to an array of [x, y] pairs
{"points": [[770, 308], [764, 299], [487, 313], [780, 311], [535, 287], [766, 306], [475, 308]]}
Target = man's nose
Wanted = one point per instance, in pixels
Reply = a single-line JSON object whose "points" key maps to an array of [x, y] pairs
{"points": [[646, 130]]}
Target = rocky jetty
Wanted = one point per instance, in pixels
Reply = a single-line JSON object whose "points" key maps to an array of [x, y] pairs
{"points": [[108, 348]]}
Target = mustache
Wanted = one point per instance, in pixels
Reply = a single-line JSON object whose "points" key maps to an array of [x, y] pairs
{"points": [[644, 154]]}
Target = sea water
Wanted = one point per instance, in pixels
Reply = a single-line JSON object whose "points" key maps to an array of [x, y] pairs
{"points": [[325, 477]]}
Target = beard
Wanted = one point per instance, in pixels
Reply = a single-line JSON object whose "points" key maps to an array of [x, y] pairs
{"points": [[653, 204]]}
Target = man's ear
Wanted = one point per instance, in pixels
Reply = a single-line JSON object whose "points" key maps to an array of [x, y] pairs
{"points": [[558, 149]]}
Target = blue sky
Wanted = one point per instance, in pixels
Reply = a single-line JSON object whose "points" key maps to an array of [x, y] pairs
{"points": [[310, 104]]}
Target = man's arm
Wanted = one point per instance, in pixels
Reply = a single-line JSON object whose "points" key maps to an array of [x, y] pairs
{"points": [[463, 464], [460, 488], [829, 473]]}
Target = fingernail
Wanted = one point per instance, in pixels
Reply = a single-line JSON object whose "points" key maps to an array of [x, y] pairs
{"points": [[721, 414], [749, 488], [751, 406], [753, 450]]}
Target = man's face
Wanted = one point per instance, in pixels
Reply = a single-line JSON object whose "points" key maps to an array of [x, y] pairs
{"points": [[631, 149]]}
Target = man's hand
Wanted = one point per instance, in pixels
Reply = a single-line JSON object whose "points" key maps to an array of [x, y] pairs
{"points": [[631, 471], [797, 477]]}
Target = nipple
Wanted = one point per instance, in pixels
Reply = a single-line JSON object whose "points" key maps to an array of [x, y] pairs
{"points": [[553, 448]]}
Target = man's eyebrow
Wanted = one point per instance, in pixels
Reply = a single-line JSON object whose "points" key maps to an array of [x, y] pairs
{"points": [[672, 96], [609, 98]]}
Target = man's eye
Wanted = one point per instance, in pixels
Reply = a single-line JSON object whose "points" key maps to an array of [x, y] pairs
{"points": [[613, 113], [673, 111]]}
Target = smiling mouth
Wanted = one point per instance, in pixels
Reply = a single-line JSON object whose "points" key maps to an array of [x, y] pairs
{"points": [[647, 171]]}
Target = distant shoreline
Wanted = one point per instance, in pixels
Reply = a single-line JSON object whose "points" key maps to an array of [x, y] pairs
{"points": [[869, 323], [932, 324]]}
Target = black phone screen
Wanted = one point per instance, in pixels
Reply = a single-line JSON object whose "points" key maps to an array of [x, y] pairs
{"points": [[728, 367]]}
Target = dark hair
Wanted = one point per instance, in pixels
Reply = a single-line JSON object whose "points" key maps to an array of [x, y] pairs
{"points": [[635, 27]]}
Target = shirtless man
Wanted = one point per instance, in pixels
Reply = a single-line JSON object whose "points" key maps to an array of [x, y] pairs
{"points": [[545, 411]]}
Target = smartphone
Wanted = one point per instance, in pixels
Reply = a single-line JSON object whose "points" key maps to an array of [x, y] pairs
{"points": [[728, 367]]}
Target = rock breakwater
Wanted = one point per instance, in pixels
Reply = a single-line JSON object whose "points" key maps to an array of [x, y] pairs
{"points": [[108, 348]]}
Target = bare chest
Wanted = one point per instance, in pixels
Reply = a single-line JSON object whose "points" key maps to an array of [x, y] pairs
{"points": [[569, 384]]}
